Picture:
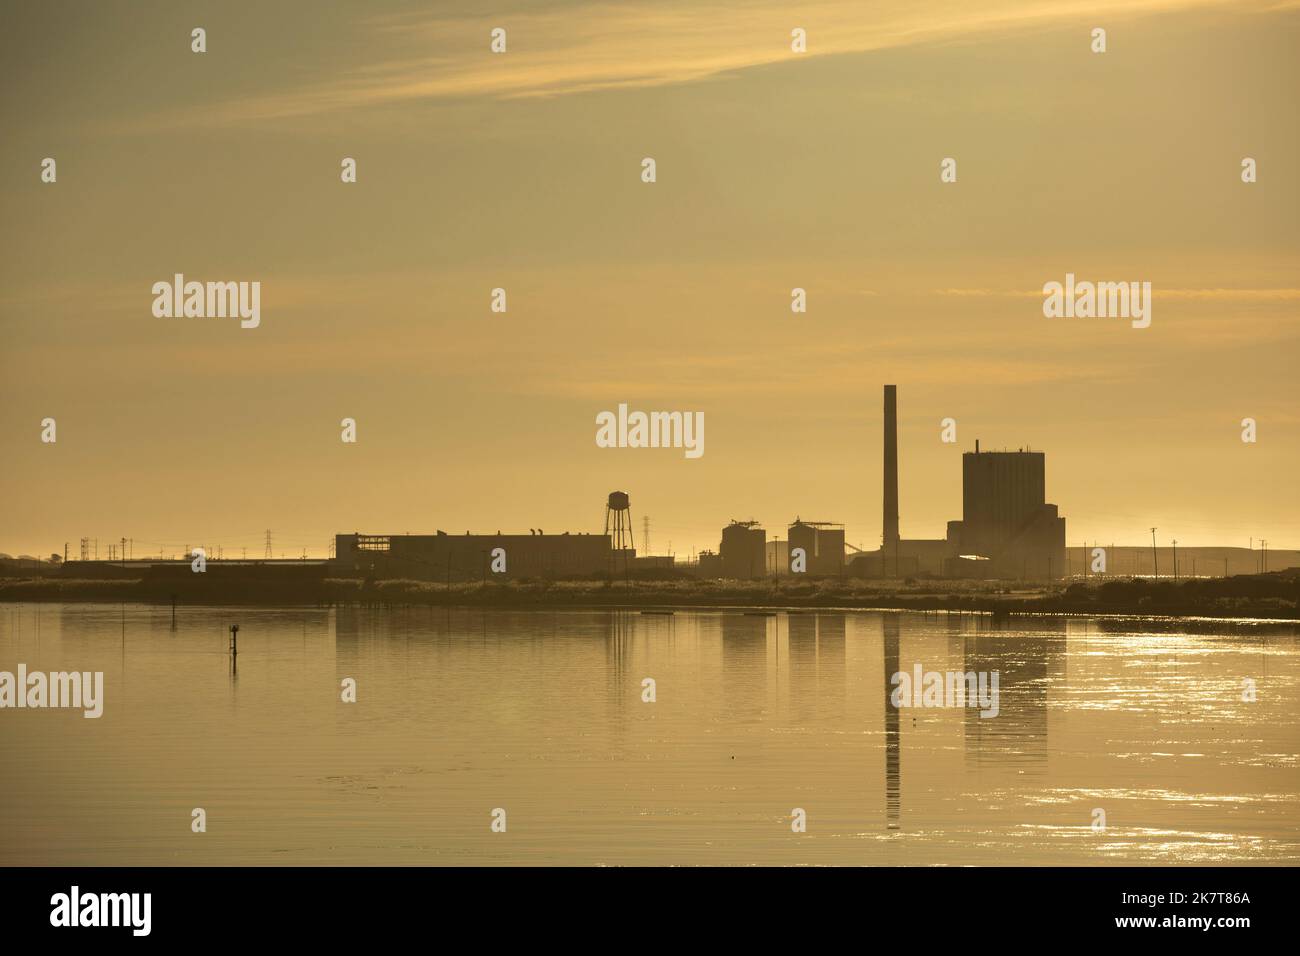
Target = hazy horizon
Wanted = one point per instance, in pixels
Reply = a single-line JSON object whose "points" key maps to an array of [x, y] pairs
{"points": [[775, 170]]}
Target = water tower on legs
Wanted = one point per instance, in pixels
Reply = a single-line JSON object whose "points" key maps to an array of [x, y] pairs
{"points": [[618, 526]]}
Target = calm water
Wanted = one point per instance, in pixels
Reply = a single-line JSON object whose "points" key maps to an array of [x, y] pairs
{"points": [[540, 713]]}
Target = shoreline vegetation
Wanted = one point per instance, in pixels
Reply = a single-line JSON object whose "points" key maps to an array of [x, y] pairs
{"points": [[1275, 595]]}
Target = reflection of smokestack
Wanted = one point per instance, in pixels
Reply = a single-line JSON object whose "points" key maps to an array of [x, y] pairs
{"points": [[890, 541]]}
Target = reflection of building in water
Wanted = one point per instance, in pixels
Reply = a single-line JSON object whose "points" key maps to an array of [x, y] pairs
{"points": [[619, 625], [744, 664], [831, 651], [353, 627], [622, 684], [1027, 665], [816, 664], [893, 756], [803, 664]]}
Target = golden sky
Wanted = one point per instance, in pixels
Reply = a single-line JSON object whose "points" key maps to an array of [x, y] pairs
{"points": [[522, 170]]}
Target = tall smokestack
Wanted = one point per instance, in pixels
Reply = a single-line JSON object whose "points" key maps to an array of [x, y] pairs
{"points": [[890, 524]]}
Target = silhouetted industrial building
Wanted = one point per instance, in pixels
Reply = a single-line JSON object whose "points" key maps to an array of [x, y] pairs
{"points": [[898, 557], [823, 545], [743, 550], [442, 556], [649, 562], [1008, 530], [1005, 515], [709, 565], [889, 537]]}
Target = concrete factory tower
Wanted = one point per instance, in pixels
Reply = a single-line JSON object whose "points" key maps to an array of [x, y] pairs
{"points": [[889, 540]]}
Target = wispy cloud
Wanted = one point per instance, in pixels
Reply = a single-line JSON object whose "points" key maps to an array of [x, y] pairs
{"points": [[582, 47], [1208, 295], [1230, 295]]}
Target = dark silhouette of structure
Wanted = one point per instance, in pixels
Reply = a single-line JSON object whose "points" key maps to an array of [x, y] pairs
{"points": [[618, 528], [618, 521], [1005, 516], [823, 545], [889, 540], [1007, 529], [468, 557], [743, 550]]}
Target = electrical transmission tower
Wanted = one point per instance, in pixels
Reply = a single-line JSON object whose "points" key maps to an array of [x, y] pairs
{"points": [[645, 534], [269, 554]]}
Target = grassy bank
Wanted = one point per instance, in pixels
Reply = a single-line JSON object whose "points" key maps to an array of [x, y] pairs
{"points": [[1275, 595]]}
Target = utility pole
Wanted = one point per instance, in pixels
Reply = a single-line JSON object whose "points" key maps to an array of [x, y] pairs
{"points": [[645, 536], [1175, 559], [1263, 544], [1155, 556]]}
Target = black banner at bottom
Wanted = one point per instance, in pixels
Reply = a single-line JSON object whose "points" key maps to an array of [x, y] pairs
{"points": [[337, 905]]}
